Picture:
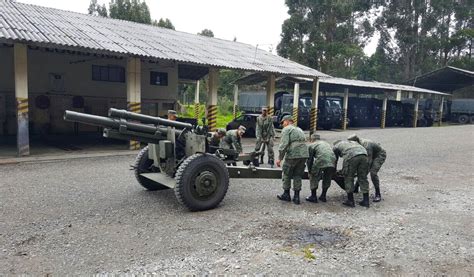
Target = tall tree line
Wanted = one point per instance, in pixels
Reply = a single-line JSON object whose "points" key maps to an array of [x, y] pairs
{"points": [[130, 10], [416, 36]]}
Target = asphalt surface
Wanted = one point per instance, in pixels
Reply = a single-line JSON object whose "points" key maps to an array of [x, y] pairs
{"points": [[89, 215]]}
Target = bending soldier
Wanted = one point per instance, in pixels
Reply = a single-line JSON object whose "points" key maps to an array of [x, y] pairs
{"points": [[355, 163], [321, 166], [232, 139], [295, 152], [265, 134], [376, 156], [215, 139]]}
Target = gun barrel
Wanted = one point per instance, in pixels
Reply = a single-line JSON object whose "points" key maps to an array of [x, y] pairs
{"points": [[110, 122], [116, 113]]}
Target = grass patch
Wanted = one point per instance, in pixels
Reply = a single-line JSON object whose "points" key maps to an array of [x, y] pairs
{"points": [[308, 253], [223, 118]]}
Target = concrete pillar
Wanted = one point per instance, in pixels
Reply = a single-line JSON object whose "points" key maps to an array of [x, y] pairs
{"points": [[271, 94], [134, 91], [212, 99], [20, 55], [415, 110], [236, 101], [398, 97], [345, 108], [384, 111], [196, 101], [440, 112], [314, 106], [296, 102]]}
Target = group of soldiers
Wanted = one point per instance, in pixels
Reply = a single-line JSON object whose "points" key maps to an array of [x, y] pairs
{"points": [[360, 157]]}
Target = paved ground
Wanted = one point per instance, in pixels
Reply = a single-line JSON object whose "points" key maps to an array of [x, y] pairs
{"points": [[89, 216]]}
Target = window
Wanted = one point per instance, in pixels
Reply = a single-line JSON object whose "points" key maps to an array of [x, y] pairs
{"points": [[158, 78], [108, 73]]}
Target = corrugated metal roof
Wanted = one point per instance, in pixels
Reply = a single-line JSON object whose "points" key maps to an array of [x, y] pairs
{"points": [[27, 23], [340, 82]]}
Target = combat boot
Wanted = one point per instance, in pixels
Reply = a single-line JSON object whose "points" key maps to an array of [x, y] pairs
{"points": [[312, 198], [285, 196], [350, 200], [322, 197], [365, 201], [356, 187], [296, 197], [271, 163], [377, 197]]}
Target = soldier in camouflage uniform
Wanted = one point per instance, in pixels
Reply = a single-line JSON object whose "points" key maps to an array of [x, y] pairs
{"points": [[215, 139], [355, 163], [232, 139], [376, 156], [321, 166], [295, 152], [265, 134]]}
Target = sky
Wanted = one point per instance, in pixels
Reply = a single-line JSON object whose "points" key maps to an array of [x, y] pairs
{"points": [[255, 22]]}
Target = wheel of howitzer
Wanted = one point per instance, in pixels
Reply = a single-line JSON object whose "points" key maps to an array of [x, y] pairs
{"points": [[144, 165], [201, 182]]}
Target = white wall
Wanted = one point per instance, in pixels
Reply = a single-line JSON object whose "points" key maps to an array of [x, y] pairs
{"points": [[76, 71]]}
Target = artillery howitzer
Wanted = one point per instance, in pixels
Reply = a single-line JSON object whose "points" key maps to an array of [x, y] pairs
{"points": [[177, 157]]}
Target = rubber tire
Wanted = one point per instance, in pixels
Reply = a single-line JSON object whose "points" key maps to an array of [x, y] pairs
{"points": [[142, 164], [463, 119], [186, 174], [472, 119]]}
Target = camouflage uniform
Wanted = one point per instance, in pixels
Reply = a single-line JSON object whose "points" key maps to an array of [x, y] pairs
{"points": [[321, 164], [355, 163], [376, 156], [295, 151], [232, 141], [265, 132]]}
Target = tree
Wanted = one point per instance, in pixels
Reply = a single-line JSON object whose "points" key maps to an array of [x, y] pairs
{"points": [[96, 9], [206, 33], [134, 10], [428, 34], [164, 23], [326, 35]]}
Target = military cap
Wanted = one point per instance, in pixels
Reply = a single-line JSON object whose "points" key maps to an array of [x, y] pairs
{"points": [[264, 108], [221, 131], [315, 137], [287, 117], [353, 137], [242, 128], [172, 112]]}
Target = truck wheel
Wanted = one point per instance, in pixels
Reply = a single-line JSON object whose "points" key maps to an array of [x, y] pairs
{"points": [[144, 165], [202, 181], [463, 119], [472, 119]]}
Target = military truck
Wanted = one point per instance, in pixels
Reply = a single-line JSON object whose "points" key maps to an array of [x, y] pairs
{"points": [[461, 111], [329, 110], [427, 112]]}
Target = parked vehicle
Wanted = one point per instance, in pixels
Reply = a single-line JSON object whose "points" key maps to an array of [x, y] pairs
{"points": [[427, 113], [249, 121], [329, 111], [461, 111]]}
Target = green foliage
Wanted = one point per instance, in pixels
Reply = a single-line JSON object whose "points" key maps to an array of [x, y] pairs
{"points": [[206, 33], [96, 9], [164, 23], [222, 119], [325, 34], [415, 36], [308, 253]]}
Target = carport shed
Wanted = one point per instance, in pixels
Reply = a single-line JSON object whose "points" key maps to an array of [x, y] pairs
{"points": [[51, 53], [344, 87]]}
